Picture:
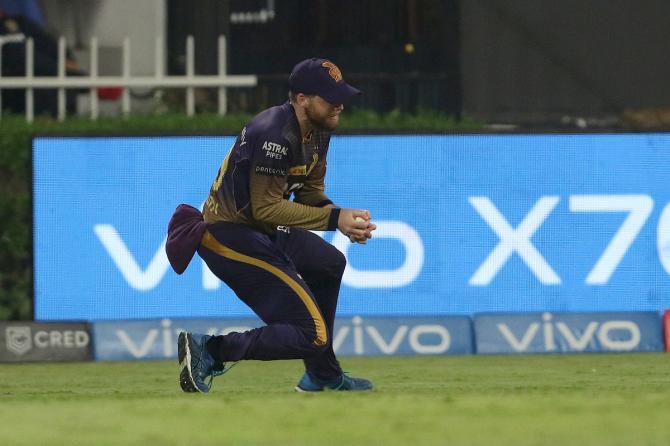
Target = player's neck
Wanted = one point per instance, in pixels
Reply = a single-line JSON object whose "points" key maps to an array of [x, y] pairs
{"points": [[304, 123]]}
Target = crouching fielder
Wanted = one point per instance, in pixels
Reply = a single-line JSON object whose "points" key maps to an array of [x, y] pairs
{"points": [[258, 242]]}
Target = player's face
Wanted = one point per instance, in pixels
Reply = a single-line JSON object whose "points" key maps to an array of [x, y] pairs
{"points": [[322, 114]]}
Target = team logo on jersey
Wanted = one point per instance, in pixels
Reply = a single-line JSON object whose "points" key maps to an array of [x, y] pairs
{"points": [[334, 72], [302, 169], [298, 170]]}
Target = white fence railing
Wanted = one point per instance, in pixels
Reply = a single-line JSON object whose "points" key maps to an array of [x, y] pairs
{"points": [[190, 81]]}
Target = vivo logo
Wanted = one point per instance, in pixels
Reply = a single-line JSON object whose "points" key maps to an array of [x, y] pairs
{"points": [[148, 278], [165, 338], [551, 332], [356, 338], [417, 337]]}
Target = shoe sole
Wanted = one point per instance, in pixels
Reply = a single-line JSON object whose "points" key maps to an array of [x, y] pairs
{"points": [[301, 390], [184, 357]]}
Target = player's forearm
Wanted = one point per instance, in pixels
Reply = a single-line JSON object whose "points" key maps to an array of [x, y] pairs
{"points": [[286, 213], [314, 197]]}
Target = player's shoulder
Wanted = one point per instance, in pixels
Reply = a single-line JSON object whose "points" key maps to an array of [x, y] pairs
{"points": [[276, 124]]}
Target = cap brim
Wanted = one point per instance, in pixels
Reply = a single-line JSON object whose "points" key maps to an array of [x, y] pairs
{"points": [[341, 94]]}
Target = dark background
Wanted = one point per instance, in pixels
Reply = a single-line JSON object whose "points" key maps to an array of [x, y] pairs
{"points": [[365, 38], [507, 60]]}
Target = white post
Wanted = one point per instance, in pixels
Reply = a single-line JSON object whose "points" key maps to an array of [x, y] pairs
{"points": [[125, 101], [30, 54], [93, 69], [61, 76], [190, 71], [159, 71], [159, 68], [223, 70]]}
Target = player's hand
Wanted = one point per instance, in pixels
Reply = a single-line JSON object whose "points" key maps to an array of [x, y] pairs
{"points": [[355, 224], [368, 235]]}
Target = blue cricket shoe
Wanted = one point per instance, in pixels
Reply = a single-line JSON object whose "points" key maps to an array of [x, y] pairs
{"points": [[310, 383], [196, 363]]}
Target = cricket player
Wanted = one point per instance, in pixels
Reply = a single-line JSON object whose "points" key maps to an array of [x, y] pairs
{"points": [[256, 240]]}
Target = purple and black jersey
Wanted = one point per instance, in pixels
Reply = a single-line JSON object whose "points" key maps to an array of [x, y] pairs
{"points": [[269, 162], [289, 277]]}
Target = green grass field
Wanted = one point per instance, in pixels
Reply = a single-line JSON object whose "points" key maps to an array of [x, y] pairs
{"points": [[488, 400]]}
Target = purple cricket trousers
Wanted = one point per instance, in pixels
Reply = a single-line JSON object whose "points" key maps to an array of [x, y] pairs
{"points": [[291, 281]]}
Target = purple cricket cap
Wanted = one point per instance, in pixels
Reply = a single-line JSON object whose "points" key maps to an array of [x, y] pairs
{"points": [[321, 77]]}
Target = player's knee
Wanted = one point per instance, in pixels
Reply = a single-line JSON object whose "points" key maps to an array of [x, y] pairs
{"points": [[337, 263], [340, 261]]}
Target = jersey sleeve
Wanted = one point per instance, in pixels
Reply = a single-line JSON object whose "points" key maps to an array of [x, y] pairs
{"points": [[268, 182]]}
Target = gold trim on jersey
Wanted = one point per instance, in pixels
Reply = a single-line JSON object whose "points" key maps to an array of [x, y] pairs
{"points": [[315, 159]]}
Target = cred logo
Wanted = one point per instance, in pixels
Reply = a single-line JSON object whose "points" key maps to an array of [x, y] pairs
{"points": [[20, 339]]}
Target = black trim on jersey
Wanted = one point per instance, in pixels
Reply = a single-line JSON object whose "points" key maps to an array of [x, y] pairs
{"points": [[332, 220]]}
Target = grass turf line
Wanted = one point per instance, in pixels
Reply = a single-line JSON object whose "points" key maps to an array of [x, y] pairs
{"points": [[614, 399]]}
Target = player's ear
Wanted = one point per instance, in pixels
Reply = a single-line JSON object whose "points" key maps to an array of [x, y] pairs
{"points": [[302, 99]]}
